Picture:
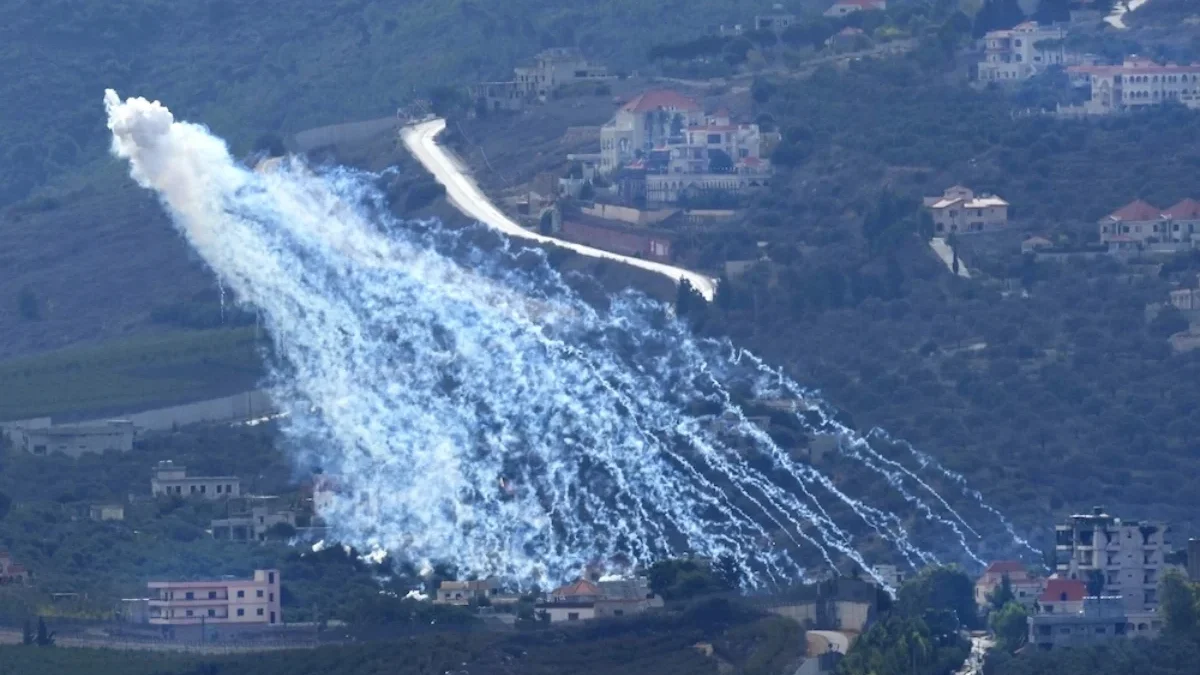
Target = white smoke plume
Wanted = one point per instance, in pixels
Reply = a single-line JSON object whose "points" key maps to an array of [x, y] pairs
{"points": [[474, 410]]}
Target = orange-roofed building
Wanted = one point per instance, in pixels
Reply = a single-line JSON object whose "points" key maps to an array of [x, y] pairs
{"points": [[1025, 587], [647, 121], [1138, 220], [1062, 596], [584, 600], [1183, 220]]}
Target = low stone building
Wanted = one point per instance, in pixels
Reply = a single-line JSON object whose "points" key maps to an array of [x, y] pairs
{"points": [[463, 593], [74, 440], [105, 512], [254, 525], [171, 480]]}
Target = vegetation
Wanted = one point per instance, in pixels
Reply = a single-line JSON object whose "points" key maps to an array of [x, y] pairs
{"points": [[150, 370], [920, 635]]}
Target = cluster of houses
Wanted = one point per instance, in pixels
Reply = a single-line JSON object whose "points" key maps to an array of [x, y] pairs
{"points": [[551, 69], [581, 600], [1140, 225], [1104, 584]]}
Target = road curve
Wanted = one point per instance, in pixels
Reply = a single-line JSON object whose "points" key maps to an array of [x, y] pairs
{"points": [[465, 195]]}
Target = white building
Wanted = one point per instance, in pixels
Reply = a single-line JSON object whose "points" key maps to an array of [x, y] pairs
{"points": [[959, 210], [1021, 52], [557, 67], [1129, 556], [1138, 82], [171, 480], [644, 123], [237, 601], [74, 440], [844, 7]]}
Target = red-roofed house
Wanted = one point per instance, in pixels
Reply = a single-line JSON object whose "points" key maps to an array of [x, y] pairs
{"points": [[1025, 586], [1183, 219], [584, 599], [1062, 596], [844, 7], [1139, 221], [645, 122]]}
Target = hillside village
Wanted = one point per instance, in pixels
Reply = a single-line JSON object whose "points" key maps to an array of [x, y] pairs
{"points": [[664, 165]]}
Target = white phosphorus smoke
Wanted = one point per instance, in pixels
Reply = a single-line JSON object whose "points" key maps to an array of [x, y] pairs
{"points": [[476, 411]]}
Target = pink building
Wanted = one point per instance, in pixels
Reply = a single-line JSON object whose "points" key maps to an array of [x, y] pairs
{"points": [[225, 601]]}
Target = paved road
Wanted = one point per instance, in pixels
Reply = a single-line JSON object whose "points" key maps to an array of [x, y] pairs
{"points": [[465, 195], [838, 642], [943, 251]]}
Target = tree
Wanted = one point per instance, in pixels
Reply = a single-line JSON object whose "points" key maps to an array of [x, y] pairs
{"points": [[1179, 603], [1010, 625], [938, 589], [1002, 595], [271, 144], [44, 637], [28, 306], [27, 635], [719, 161], [727, 572], [687, 300], [5, 505]]}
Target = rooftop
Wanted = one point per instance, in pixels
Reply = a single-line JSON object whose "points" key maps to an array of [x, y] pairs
{"points": [[583, 587], [1136, 210], [1064, 590], [1185, 210]]}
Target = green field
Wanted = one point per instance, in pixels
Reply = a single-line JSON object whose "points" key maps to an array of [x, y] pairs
{"points": [[130, 374]]}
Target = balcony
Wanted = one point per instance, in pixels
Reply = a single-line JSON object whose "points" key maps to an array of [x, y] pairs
{"points": [[195, 602]]}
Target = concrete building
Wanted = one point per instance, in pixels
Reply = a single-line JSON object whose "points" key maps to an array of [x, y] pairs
{"points": [[11, 572], [1101, 619], [498, 96], [171, 480], [105, 512], [584, 600], [1025, 587], [892, 575], [74, 440], [557, 67], [253, 525], [1126, 557], [844, 7], [1062, 596], [1136, 83], [1021, 52], [236, 601], [463, 593], [776, 22], [959, 210]]}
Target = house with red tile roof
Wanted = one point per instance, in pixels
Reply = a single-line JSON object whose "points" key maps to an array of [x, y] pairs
{"points": [[1183, 219], [844, 7], [584, 599], [1062, 596], [1137, 221], [1025, 586]]}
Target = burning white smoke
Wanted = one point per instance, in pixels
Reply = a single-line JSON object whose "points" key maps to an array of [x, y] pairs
{"points": [[475, 411]]}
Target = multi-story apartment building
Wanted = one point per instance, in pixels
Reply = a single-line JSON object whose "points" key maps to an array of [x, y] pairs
{"points": [[1138, 82], [1123, 558], [171, 480], [236, 601], [1021, 52]]}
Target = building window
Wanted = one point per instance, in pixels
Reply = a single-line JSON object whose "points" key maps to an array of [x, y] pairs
{"points": [[192, 490], [189, 612], [229, 489], [271, 597], [241, 594], [212, 612], [270, 577], [241, 612], [572, 616], [202, 488], [258, 594], [218, 489], [212, 595], [189, 596], [259, 611]]}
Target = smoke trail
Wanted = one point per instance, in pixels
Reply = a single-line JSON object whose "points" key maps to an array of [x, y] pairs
{"points": [[477, 411]]}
